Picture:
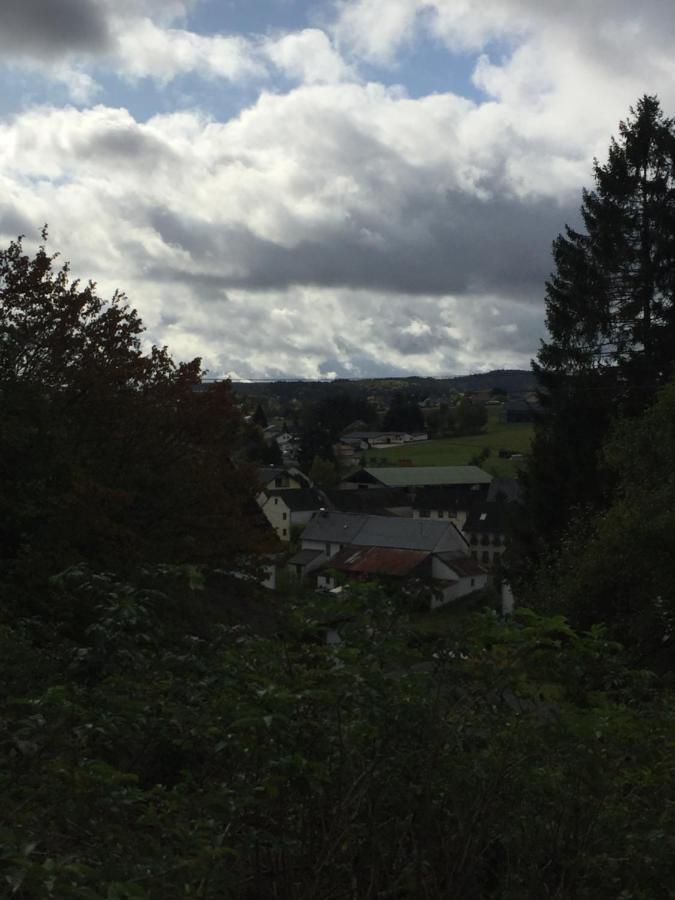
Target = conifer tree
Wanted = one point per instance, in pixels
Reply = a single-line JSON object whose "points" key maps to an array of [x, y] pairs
{"points": [[610, 313]]}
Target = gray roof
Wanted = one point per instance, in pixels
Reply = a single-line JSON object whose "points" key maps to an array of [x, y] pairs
{"points": [[300, 500], [375, 503], [404, 534], [333, 527], [269, 473], [382, 531], [490, 518], [411, 476], [439, 497], [304, 557]]}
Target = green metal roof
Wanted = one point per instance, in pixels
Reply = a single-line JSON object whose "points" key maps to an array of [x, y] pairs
{"points": [[417, 476]]}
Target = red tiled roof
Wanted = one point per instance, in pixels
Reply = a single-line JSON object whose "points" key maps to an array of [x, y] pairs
{"points": [[377, 561], [465, 565]]}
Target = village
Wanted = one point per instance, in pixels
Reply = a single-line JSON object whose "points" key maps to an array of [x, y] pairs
{"points": [[385, 508]]}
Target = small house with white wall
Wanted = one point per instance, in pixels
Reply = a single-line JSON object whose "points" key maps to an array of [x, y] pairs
{"points": [[486, 528], [289, 509], [280, 478]]}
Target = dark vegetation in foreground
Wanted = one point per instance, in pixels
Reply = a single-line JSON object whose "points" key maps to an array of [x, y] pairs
{"points": [[170, 731], [504, 759]]}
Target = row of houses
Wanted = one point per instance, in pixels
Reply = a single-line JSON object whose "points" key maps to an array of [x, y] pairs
{"points": [[339, 545], [447, 525]]}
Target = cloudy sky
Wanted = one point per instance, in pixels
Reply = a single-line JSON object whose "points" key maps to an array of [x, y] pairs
{"points": [[319, 188]]}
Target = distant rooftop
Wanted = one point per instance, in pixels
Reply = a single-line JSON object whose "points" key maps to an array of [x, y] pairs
{"points": [[300, 500], [421, 476], [383, 531], [377, 561]]}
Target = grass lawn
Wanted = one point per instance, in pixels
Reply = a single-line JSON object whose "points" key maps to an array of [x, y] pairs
{"points": [[458, 451]]}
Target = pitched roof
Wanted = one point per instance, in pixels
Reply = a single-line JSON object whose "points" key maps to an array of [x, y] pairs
{"points": [[439, 498], [372, 502], [304, 557], [488, 517], [383, 531], [300, 500], [465, 566], [333, 527], [420, 476], [377, 561], [411, 534], [269, 473], [375, 435]]}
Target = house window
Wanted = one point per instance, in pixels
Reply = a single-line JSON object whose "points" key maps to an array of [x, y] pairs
{"points": [[474, 554], [452, 514], [284, 532], [424, 513], [284, 516], [473, 581], [486, 556], [279, 482], [276, 501]]}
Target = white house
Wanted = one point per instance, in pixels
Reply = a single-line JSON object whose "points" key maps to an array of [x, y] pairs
{"points": [[279, 478], [291, 508]]}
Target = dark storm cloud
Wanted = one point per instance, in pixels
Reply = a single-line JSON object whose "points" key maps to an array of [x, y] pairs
{"points": [[13, 222], [52, 28], [124, 145], [453, 246]]}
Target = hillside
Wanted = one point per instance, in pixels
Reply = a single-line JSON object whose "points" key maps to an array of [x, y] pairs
{"points": [[509, 380]]}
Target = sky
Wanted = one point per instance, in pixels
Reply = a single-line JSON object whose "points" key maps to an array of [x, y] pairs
{"points": [[319, 188]]}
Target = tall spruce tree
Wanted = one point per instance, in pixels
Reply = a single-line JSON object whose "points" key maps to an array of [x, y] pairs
{"points": [[610, 313]]}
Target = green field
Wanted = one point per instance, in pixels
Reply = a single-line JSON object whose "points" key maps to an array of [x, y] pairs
{"points": [[458, 451]]}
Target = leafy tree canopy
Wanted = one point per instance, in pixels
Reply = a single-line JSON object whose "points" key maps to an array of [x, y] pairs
{"points": [[107, 454]]}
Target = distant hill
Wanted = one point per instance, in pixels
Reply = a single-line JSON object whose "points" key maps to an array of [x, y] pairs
{"points": [[509, 380]]}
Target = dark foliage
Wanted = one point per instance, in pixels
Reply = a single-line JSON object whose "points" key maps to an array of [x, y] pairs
{"points": [[611, 319], [324, 421], [504, 761], [106, 452], [618, 566], [403, 414]]}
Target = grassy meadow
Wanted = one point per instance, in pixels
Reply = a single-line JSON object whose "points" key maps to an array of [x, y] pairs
{"points": [[457, 451]]}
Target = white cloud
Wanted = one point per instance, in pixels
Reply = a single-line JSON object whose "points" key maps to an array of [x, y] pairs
{"points": [[342, 226], [562, 73], [375, 30], [147, 50], [313, 230], [308, 56]]}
